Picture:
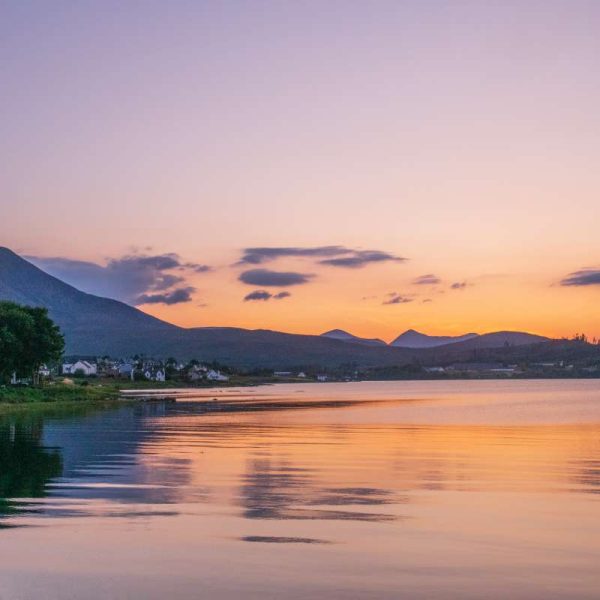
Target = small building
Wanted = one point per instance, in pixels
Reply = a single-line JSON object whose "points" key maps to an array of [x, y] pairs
{"points": [[213, 375], [82, 367], [282, 373], [322, 378], [155, 374], [197, 373], [302, 375]]}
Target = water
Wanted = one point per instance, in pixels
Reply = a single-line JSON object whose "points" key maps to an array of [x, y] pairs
{"points": [[481, 489]]}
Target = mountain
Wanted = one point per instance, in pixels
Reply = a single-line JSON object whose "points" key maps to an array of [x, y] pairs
{"points": [[498, 339], [95, 326], [414, 339], [340, 334]]}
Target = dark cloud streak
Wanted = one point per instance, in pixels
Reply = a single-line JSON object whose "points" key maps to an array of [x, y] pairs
{"points": [[333, 256], [429, 279], [267, 278], [259, 255], [582, 277], [177, 296], [361, 258], [264, 295], [397, 299]]}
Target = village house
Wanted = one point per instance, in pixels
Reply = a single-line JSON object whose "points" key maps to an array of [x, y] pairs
{"points": [[197, 373], [82, 367], [155, 374], [213, 375]]}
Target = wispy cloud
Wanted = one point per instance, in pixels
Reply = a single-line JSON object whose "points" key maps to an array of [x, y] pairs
{"points": [[264, 295], [177, 296], [267, 278], [582, 277], [361, 258], [333, 256], [429, 279], [128, 278], [198, 268], [459, 285], [260, 255], [397, 299]]}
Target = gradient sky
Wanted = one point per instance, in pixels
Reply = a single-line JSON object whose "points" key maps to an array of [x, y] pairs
{"points": [[461, 136]]}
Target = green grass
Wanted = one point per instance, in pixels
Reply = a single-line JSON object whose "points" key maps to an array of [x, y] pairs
{"points": [[58, 393]]}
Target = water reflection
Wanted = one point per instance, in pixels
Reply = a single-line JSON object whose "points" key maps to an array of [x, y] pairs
{"points": [[280, 491], [324, 482], [155, 453]]}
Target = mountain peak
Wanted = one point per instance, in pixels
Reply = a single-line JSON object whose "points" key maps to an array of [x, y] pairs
{"points": [[344, 336], [415, 339]]}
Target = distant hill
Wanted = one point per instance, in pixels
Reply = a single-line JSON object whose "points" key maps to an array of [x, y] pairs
{"points": [[498, 339], [340, 334], [415, 339], [542, 351]]}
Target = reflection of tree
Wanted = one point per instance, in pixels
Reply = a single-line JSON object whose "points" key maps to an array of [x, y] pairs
{"points": [[25, 466]]}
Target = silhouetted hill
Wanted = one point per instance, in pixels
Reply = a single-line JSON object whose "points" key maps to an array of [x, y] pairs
{"points": [[568, 351], [416, 339], [95, 326], [340, 334], [498, 339]]}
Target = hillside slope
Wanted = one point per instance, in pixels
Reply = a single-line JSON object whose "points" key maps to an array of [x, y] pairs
{"points": [[100, 326]]}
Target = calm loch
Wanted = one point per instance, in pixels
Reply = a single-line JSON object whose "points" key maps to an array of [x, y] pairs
{"points": [[450, 490]]}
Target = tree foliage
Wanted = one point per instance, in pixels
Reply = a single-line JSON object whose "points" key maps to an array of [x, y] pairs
{"points": [[28, 339]]}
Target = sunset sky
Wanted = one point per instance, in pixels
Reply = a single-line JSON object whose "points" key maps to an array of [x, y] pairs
{"points": [[300, 166]]}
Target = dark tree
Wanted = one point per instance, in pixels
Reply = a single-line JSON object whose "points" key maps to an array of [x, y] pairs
{"points": [[28, 339]]}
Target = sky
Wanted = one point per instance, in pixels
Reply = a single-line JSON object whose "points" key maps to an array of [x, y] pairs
{"points": [[301, 166]]}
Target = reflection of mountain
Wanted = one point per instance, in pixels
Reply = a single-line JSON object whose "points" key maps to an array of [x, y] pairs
{"points": [[278, 490], [279, 464], [101, 457]]}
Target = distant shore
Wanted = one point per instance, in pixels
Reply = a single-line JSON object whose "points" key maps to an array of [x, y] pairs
{"points": [[107, 392]]}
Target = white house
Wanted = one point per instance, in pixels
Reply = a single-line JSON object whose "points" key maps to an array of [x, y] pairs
{"points": [[155, 375], [322, 378], [81, 366], [213, 375]]}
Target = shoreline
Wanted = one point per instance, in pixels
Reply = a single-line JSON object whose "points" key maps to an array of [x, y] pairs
{"points": [[60, 396]]}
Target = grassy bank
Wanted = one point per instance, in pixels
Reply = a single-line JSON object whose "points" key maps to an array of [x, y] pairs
{"points": [[55, 394]]}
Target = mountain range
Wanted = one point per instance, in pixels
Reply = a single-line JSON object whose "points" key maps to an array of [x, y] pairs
{"points": [[96, 326]]}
